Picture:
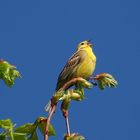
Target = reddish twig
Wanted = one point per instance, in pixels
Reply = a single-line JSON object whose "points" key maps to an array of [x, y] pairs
{"points": [[65, 86], [48, 122], [67, 125], [96, 77], [71, 82]]}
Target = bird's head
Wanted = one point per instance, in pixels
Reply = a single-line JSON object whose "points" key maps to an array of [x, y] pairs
{"points": [[84, 44]]}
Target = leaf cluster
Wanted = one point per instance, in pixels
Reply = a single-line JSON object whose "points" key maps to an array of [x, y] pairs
{"points": [[8, 73], [74, 136], [105, 80], [25, 132], [28, 131]]}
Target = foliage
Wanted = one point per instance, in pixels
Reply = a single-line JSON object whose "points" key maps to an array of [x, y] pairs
{"points": [[25, 132], [105, 80], [74, 137], [8, 73], [28, 131], [8, 132]]}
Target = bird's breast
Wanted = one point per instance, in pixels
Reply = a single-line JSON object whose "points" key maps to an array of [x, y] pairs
{"points": [[87, 67]]}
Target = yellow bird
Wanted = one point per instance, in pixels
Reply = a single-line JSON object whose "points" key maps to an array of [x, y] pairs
{"points": [[81, 64]]}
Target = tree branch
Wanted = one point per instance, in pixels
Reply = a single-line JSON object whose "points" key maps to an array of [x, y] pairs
{"points": [[48, 123], [104, 79], [54, 101], [71, 82]]}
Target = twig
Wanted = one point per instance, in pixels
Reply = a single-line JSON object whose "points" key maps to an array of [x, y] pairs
{"points": [[96, 77], [67, 126], [61, 92], [66, 86], [48, 122], [71, 82]]}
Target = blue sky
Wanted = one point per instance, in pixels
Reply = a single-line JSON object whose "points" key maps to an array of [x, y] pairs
{"points": [[39, 36]]}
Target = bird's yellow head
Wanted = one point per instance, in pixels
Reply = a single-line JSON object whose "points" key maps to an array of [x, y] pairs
{"points": [[84, 44]]}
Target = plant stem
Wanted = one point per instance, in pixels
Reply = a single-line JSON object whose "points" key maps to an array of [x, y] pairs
{"points": [[65, 86], [67, 126], [71, 82], [46, 133]]}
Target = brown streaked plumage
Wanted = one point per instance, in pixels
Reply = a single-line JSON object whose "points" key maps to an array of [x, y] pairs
{"points": [[80, 64]]}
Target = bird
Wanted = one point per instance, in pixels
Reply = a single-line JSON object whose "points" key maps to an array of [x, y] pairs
{"points": [[81, 64]]}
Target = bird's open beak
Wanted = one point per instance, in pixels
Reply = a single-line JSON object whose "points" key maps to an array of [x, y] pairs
{"points": [[89, 43]]}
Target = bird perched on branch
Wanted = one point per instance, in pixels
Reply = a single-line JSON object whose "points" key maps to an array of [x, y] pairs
{"points": [[81, 64]]}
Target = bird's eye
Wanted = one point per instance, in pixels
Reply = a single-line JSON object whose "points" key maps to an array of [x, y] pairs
{"points": [[82, 43]]}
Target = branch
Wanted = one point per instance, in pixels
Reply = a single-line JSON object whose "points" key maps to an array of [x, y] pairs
{"points": [[103, 79], [48, 123], [59, 94], [80, 80]]}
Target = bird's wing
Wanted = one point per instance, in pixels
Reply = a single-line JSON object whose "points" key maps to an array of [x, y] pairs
{"points": [[69, 68]]}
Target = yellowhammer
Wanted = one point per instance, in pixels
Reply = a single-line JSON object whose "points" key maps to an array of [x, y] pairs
{"points": [[80, 64]]}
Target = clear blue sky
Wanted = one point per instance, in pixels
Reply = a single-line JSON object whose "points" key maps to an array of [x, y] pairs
{"points": [[39, 36]]}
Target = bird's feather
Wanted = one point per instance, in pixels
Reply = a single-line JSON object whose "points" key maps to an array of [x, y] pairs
{"points": [[70, 67]]}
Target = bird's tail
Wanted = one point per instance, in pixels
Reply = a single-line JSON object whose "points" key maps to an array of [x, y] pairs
{"points": [[48, 107]]}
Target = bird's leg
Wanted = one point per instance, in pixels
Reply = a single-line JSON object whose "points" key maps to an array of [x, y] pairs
{"points": [[64, 109], [94, 83], [92, 80]]}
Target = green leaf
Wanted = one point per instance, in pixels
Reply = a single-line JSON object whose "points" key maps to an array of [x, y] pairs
{"points": [[33, 136], [84, 83], [65, 104], [106, 80], [6, 124], [27, 128], [41, 126], [2, 137], [20, 136], [74, 137], [8, 73], [30, 129]]}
